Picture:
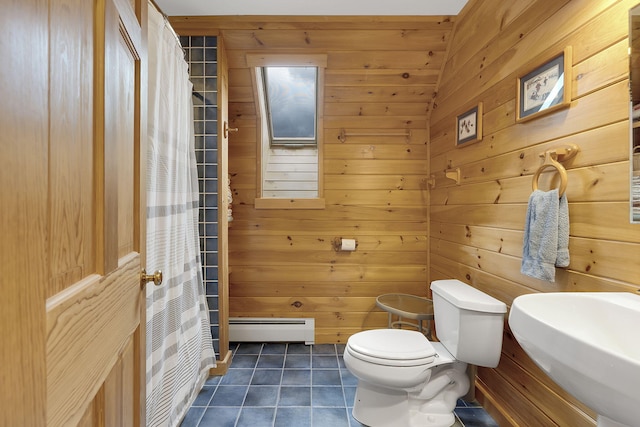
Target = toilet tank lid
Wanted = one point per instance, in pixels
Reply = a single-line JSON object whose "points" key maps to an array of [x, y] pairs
{"points": [[467, 297]]}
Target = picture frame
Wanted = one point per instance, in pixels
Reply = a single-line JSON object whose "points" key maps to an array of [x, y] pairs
{"points": [[469, 126], [544, 89]]}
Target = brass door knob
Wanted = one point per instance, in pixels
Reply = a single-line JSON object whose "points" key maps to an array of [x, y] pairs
{"points": [[156, 277]]}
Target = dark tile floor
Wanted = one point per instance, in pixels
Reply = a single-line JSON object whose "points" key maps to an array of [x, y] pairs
{"points": [[290, 385]]}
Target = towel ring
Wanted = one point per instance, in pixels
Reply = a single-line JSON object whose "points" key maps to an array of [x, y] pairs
{"points": [[551, 162]]}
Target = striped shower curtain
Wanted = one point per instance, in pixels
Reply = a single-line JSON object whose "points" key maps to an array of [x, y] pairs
{"points": [[179, 346]]}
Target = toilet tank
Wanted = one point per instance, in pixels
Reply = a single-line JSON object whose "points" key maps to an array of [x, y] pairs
{"points": [[469, 323]]}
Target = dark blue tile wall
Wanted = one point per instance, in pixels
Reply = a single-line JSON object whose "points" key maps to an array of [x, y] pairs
{"points": [[201, 55]]}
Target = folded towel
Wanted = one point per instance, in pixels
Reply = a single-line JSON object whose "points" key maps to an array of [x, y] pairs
{"points": [[562, 259], [546, 235]]}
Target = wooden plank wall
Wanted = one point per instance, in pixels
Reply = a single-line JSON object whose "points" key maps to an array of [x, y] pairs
{"points": [[381, 77], [477, 226]]}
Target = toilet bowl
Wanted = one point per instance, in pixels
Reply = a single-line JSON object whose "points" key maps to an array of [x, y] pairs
{"points": [[404, 380], [395, 381]]}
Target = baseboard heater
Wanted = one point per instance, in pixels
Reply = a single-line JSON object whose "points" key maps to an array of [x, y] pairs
{"points": [[269, 329]]}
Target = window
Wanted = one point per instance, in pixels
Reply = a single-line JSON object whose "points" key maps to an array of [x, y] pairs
{"points": [[288, 91], [291, 104]]}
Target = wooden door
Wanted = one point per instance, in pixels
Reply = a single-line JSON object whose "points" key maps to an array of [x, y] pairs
{"points": [[73, 214], [23, 210]]}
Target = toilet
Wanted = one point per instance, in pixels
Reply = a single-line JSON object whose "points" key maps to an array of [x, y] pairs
{"points": [[404, 380]]}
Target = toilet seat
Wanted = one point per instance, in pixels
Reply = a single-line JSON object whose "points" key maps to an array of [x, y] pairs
{"points": [[392, 347]]}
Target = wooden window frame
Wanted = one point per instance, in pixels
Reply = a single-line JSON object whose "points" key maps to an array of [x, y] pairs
{"points": [[264, 60]]}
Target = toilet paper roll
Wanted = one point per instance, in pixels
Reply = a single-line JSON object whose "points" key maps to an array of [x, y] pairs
{"points": [[348, 244]]}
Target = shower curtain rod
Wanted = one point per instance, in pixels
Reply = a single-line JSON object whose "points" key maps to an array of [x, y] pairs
{"points": [[167, 23]]}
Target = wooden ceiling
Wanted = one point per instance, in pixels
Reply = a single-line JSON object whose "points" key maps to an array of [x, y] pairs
{"points": [[391, 60]]}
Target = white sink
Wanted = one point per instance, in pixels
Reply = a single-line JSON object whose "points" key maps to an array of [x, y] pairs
{"points": [[588, 343]]}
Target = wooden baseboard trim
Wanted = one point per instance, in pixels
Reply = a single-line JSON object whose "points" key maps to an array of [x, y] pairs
{"points": [[495, 409], [221, 365]]}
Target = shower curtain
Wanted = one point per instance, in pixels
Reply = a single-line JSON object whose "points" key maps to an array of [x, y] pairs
{"points": [[179, 345]]}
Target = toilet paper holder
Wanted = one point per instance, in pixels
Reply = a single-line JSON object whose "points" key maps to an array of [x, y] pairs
{"points": [[339, 244]]}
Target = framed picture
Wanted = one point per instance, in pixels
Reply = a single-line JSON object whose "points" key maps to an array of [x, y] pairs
{"points": [[469, 126], [544, 89]]}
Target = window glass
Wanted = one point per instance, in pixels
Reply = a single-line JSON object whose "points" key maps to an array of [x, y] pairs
{"points": [[291, 103]]}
